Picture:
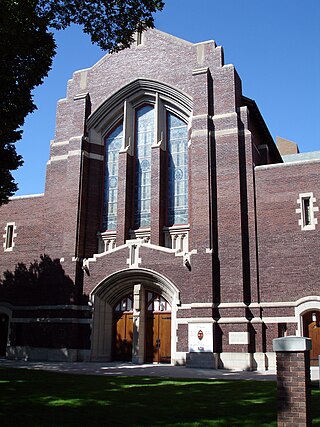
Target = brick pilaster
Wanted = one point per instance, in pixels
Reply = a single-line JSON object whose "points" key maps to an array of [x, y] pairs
{"points": [[293, 381]]}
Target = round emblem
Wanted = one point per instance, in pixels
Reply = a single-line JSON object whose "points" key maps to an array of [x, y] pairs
{"points": [[113, 182], [178, 174], [200, 334], [118, 143], [145, 165]]}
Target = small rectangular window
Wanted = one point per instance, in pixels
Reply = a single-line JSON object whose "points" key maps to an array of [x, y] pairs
{"points": [[139, 38], [306, 211], [9, 236]]}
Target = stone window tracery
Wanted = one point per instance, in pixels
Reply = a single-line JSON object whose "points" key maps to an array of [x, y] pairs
{"points": [[113, 144], [143, 142], [177, 171], [142, 126]]}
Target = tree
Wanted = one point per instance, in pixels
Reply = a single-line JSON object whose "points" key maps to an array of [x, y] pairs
{"points": [[27, 48]]}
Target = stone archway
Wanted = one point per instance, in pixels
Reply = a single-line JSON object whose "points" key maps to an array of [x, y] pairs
{"points": [[311, 329], [109, 292], [307, 312]]}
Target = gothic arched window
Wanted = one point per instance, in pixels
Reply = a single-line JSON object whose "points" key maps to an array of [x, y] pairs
{"points": [[143, 126], [177, 171], [144, 138], [113, 144]]}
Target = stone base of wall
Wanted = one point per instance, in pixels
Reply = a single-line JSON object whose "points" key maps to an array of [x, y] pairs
{"points": [[235, 361], [238, 361], [201, 360], [35, 354], [179, 358]]}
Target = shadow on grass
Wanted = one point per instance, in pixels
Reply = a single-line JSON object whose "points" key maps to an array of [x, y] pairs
{"points": [[36, 398]]}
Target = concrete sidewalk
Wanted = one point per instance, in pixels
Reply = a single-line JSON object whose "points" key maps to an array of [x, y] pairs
{"points": [[129, 369]]}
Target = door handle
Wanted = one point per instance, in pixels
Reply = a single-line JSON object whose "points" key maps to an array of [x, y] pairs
{"points": [[158, 343]]}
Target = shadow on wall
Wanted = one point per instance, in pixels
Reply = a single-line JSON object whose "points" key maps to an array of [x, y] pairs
{"points": [[43, 283]]}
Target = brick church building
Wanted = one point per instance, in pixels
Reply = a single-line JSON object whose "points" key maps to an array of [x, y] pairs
{"points": [[171, 230]]}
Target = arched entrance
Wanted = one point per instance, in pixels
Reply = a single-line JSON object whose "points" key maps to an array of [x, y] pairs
{"points": [[311, 329], [134, 317], [157, 328]]}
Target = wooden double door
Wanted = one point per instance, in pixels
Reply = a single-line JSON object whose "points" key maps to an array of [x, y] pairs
{"points": [[157, 342], [122, 349], [311, 322], [158, 337]]}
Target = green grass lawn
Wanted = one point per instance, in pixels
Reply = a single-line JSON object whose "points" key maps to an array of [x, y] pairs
{"points": [[38, 398]]}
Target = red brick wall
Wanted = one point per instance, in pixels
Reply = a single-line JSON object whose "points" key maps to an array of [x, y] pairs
{"points": [[294, 392], [288, 266], [248, 246]]}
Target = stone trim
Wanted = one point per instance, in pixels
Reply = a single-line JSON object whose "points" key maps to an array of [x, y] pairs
{"points": [[312, 209], [285, 164], [27, 196], [75, 153]]}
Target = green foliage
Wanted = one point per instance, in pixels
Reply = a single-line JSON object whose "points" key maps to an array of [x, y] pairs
{"points": [[27, 48], [26, 52], [110, 23]]}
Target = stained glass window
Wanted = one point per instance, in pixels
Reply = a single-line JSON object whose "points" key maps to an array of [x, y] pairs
{"points": [[125, 304], [143, 141], [156, 302], [113, 145], [177, 171]]}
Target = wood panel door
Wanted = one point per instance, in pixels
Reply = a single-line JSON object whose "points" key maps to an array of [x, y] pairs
{"points": [[158, 337], [314, 334], [312, 330], [123, 336]]}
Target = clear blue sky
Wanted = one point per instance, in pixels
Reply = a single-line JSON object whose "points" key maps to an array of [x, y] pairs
{"points": [[274, 45]]}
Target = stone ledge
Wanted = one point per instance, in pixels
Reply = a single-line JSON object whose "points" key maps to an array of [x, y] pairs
{"points": [[292, 343]]}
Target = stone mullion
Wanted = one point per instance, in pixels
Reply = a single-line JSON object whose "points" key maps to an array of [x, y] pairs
{"points": [[138, 344]]}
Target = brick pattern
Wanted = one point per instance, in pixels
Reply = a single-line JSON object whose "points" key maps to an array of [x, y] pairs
{"points": [[294, 392], [288, 268], [245, 216]]}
